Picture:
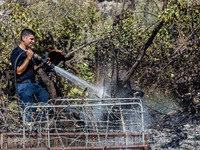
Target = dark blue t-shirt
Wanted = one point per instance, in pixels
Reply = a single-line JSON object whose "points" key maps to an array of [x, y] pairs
{"points": [[29, 72]]}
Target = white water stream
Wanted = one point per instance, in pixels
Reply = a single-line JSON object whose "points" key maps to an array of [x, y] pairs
{"points": [[99, 91]]}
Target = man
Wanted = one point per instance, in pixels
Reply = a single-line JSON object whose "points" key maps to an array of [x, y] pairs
{"points": [[25, 72]]}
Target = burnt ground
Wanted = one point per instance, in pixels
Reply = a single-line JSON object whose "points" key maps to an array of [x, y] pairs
{"points": [[177, 130], [186, 137]]}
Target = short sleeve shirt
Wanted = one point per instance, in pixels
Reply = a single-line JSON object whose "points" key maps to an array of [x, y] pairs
{"points": [[29, 72]]}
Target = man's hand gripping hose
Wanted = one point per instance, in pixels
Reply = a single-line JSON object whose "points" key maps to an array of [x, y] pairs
{"points": [[46, 61]]}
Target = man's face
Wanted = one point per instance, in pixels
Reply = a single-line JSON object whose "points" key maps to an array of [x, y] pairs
{"points": [[28, 40]]}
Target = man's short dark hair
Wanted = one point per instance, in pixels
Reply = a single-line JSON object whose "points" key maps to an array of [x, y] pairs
{"points": [[26, 32]]}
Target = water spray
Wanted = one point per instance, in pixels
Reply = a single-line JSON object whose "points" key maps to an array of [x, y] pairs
{"points": [[98, 91]]}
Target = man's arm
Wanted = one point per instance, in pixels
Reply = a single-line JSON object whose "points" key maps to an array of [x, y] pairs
{"points": [[24, 65]]}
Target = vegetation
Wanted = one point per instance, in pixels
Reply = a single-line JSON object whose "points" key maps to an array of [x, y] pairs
{"points": [[150, 45]]}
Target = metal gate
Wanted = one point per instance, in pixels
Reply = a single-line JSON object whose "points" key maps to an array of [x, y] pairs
{"points": [[107, 123]]}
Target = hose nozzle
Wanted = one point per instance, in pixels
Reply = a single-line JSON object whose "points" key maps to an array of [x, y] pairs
{"points": [[51, 65]]}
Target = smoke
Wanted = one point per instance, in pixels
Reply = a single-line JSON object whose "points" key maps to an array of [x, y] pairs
{"points": [[157, 105]]}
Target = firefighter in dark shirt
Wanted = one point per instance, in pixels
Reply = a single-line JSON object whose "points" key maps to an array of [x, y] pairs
{"points": [[26, 84]]}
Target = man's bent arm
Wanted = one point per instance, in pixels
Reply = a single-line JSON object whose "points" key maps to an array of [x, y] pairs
{"points": [[22, 68]]}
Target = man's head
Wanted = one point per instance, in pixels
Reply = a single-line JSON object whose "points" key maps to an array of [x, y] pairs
{"points": [[27, 37]]}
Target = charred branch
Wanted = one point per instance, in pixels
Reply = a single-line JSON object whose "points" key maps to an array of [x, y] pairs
{"points": [[143, 50], [84, 45]]}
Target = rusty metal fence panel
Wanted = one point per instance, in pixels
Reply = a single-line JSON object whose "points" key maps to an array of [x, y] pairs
{"points": [[83, 124]]}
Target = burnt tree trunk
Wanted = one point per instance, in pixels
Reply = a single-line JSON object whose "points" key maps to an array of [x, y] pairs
{"points": [[115, 82]]}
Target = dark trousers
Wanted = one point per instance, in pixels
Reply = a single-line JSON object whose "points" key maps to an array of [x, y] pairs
{"points": [[26, 91]]}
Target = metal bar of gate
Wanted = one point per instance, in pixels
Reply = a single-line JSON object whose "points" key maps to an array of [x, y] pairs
{"points": [[78, 134]]}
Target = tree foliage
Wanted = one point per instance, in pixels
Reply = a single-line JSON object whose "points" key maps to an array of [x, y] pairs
{"points": [[170, 63]]}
